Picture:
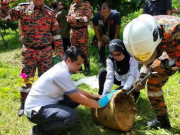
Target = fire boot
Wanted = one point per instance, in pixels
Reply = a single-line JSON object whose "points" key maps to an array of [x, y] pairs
{"points": [[160, 122], [24, 92]]}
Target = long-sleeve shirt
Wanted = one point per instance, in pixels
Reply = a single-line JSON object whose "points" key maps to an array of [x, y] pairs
{"points": [[39, 25], [127, 79], [82, 13]]}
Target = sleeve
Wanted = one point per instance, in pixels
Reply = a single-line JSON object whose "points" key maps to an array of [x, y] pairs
{"points": [[109, 77], [133, 72], [117, 19], [56, 36], [87, 13], [7, 14], [63, 80], [168, 4]]}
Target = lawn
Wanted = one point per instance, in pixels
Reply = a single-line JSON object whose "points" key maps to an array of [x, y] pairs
{"points": [[11, 124]]}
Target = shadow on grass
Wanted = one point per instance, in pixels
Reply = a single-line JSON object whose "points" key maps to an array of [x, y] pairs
{"points": [[85, 125]]}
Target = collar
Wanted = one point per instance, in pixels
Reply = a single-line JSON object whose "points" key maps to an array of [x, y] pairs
{"points": [[41, 8], [65, 65]]}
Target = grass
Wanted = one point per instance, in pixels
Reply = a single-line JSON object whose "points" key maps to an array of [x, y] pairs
{"points": [[10, 124]]}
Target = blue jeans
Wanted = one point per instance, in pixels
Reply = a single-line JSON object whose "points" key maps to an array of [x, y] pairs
{"points": [[55, 117]]}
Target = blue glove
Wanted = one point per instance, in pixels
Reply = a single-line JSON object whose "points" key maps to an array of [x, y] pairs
{"points": [[105, 100]]}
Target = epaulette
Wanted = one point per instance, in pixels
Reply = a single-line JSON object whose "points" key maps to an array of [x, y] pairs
{"points": [[48, 7], [26, 3]]}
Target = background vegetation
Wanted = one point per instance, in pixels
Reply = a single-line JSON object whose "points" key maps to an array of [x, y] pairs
{"points": [[10, 124]]}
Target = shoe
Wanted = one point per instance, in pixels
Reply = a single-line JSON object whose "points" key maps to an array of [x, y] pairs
{"points": [[160, 122], [34, 131], [21, 110]]}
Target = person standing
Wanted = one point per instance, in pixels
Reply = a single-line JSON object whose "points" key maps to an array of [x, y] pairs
{"points": [[64, 25], [107, 24], [154, 41], [157, 7], [78, 16], [51, 102], [40, 28]]}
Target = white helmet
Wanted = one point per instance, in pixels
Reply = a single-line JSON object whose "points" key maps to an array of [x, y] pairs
{"points": [[141, 37]]}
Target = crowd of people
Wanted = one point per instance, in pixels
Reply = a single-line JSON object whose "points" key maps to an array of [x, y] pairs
{"points": [[151, 41]]}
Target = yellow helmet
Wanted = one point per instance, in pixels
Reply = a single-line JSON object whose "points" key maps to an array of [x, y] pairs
{"points": [[141, 37]]}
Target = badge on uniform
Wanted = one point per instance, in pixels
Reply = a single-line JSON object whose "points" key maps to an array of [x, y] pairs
{"points": [[100, 23]]}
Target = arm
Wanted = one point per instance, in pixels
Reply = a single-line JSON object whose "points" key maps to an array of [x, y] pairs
{"points": [[81, 98], [96, 31], [56, 37], [87, 13], [132, 74], [116, 35], [7, 14], [118, 25], [169, 7], [109, 77]]}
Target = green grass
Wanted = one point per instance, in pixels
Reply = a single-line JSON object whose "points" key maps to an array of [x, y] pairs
{"points": [[10, 124]]}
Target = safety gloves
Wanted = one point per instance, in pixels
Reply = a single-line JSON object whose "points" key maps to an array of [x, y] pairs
{"points": [[106, 99]]}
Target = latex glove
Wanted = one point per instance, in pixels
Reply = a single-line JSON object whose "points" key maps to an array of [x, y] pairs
{"points": [[106, 99]]}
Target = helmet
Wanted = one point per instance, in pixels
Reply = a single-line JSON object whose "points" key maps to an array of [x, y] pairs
{"points": [[141, 37]]}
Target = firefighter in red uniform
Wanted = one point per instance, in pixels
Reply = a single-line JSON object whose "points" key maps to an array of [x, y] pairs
{"points": [[40, 28], [79, 16], [155, 42]]}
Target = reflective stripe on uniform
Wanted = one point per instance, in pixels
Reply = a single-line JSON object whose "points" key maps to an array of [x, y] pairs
{"points": [[57, 37], [24, 90], [155, 94], [85, 19]]}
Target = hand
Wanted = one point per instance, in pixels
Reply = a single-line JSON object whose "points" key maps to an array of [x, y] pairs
{"points": [[138, 86], [71, 19], [100, 44], [106, 99]]}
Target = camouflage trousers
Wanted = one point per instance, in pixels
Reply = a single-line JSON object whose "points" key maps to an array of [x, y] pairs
{"points": [[155, 93], [32, 59], [79, 38]]}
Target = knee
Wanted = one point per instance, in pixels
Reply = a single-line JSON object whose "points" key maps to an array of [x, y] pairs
{"points": [[71, 118]]}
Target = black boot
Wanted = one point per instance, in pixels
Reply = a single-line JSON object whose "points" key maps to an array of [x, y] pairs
{"points": [[160, 122], [23, 98]]}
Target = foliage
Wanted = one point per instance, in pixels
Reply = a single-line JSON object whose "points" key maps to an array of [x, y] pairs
{"points": [[10, 124]]}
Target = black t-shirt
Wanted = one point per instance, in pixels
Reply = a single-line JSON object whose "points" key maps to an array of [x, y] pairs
{"points": [[157, 7], [115, 19]]}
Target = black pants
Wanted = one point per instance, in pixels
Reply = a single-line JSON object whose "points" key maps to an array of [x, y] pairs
{"points": [[102, 79], [102, 55], [66, 43]]}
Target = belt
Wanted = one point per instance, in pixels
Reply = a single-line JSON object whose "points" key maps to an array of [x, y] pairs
{"points": [[38, 47], [77, 28]]}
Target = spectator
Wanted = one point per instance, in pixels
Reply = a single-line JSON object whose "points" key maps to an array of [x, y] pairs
{"points": [[122, 69], [107, 27], [64, 25], [51, 102], [154, 41], [157, 7], [55, 6], [39, 28], [79, 16]]}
